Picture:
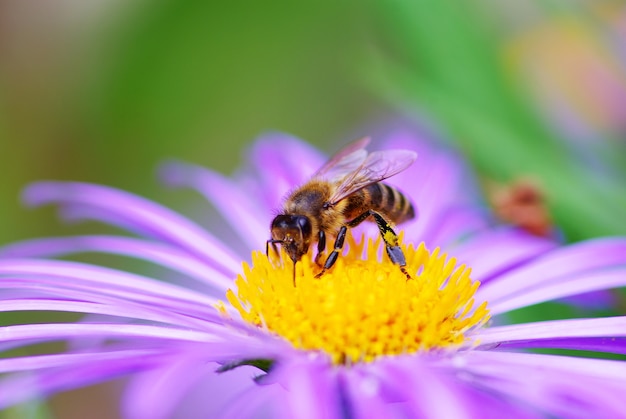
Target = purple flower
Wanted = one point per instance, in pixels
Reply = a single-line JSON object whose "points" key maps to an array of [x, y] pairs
{"points": [[361, 342]]}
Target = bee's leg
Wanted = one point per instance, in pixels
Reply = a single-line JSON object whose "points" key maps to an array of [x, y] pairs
{"points": [[321, 247], [389, 237], [274, 248], [332, 258]]}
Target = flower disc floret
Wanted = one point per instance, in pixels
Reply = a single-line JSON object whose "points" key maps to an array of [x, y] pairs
{"points": [[364, 307]]}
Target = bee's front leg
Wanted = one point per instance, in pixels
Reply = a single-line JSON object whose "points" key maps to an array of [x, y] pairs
{"points": [[267, 247], [321, 247], [332, 258], [274, 248]]}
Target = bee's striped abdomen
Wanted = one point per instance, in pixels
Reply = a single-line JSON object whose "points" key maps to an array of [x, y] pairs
{"points": [[389, 201]]}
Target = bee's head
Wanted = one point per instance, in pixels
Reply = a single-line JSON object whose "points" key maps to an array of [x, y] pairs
{"points": [[293, 232]]}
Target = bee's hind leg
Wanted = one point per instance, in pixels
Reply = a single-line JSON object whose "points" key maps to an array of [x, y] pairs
{"points": [[332, 258], [394, 251]]}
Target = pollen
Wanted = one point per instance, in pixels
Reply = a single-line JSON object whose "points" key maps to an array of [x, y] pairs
{"points": [[364, 307]]}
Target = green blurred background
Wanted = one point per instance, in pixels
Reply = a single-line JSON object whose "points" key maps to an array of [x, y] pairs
{"points": [[104, 90]]}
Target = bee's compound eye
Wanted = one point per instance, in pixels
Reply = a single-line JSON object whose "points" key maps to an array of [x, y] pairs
{"points": [[304, 224], [282, 221]]}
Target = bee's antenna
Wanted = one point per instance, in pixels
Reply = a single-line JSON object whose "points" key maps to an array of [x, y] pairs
{"points": [[294, 273]]}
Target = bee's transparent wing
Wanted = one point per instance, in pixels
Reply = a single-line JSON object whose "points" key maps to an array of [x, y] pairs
{"points": [[344, 162], [378, 166]]}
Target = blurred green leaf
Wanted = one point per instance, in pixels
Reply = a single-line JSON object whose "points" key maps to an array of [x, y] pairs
{"points": [[200, 79], [125, 85]]}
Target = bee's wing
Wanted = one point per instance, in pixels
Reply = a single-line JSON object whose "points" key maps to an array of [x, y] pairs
{"points": [[346, 161], [378, 166]]}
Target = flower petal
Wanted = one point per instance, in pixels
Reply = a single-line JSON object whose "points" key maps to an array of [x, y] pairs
{"points": [[555, 267], [495, 251], [258, 401], [565, 287], [16, 389], [290, 158], [280, 162], [55, 331], [561, 386], [364, 391], [151, 395], [128, 310], [73, 360], [313, 388], [415, 386], [599, 334], [50, 287], [243, 214], [159, 253], [74, 273], [138, 211], [451, 225]]}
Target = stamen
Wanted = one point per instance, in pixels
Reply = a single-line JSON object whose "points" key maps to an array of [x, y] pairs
{"points": [[363, 307]]}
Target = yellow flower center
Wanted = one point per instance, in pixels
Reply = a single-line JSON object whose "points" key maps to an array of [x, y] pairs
{"points": [[363, 307]]}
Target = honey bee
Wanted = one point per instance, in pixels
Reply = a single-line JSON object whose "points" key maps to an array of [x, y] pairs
{"points": [[343, 193]]}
